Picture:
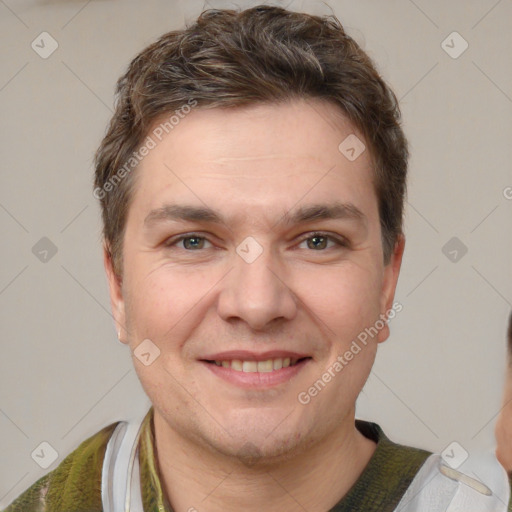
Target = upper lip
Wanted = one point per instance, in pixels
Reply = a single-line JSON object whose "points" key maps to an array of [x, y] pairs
{"points": [[247, 355]]}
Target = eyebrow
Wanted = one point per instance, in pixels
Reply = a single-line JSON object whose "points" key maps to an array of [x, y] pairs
{"points": [[302, 215]]}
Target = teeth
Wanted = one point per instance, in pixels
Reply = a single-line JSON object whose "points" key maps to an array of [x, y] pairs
{"points": [[249, 366], [265, 366], [236, 365], [258, 366]]}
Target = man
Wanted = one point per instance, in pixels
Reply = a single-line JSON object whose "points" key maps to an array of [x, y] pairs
{"points": [[252, 184], [503, 427]]}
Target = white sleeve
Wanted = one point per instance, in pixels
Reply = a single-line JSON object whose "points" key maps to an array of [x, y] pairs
{"points": [[479, 485]]}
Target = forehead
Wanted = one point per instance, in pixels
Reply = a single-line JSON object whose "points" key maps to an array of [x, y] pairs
{"points": [[255, 158]]}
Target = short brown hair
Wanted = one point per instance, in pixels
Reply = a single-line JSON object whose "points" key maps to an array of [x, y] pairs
{"points": [[231, 58]]}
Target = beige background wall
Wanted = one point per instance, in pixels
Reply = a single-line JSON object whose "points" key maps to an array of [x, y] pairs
{"points": [[63, 375]]}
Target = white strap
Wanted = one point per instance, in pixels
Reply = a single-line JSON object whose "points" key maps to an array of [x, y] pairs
{"points": [[437, 487], [120, 477]]}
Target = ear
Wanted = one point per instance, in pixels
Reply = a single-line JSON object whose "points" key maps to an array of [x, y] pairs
{"points": [[116, 296], [389, 282]]}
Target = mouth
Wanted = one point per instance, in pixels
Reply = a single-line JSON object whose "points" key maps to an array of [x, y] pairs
{"points": [[250, 370], [252, 366]]}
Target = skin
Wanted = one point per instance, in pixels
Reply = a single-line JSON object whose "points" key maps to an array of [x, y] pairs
{"points": [[221, 446], [503, 428]]}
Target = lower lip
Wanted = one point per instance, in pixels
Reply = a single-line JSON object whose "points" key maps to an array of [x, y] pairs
{"points": [[256, 379]]}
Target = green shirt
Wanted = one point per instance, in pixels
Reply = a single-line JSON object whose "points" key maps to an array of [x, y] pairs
{"points": [[75, 485]]}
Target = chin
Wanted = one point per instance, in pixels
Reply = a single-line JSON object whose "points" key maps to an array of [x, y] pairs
{"points": [[258, 451], [257, 443]]}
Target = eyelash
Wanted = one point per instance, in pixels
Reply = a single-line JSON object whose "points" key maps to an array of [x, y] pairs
{"points": [[341, 242]]}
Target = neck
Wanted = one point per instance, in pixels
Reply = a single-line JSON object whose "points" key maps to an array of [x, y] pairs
{"points": [[315, 480]]}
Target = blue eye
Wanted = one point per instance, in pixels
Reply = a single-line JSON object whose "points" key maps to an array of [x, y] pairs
{"points": [[320, 241], [315, 241], [191, 241]]}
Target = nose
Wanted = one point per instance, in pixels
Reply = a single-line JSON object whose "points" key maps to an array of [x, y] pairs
{"points": [[257, 293]]}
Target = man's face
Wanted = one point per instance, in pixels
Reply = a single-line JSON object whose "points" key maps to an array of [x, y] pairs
{"points": [[258, 287]]}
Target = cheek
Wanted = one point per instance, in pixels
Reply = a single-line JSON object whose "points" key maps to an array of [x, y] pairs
{"points": [[154, 307], [168, 302], [161, 303], [345, 297], [504, 441]]}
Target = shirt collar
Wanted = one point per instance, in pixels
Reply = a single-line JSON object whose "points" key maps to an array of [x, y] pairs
{"points": [[380, 486]]}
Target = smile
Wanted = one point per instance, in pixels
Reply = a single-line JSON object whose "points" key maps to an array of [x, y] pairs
{"points": [[266, 366], [256, 371]]}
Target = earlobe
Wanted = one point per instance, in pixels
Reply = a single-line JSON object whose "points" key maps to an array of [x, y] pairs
{"points": [[116, 295], [389, 282]]}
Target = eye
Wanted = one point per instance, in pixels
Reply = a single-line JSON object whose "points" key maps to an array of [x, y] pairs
{"points": [[191, 242], [316, 241], [319, 241]]}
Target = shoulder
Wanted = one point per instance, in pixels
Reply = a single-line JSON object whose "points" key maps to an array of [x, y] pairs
{"points": [[480, 484], [74, 485], [387, 475], [395, 457], [433, 482]]}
